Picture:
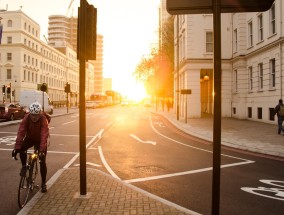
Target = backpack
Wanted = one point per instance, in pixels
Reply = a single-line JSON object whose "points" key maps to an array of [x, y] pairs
{"points": [[48, 117], [281, 110]]}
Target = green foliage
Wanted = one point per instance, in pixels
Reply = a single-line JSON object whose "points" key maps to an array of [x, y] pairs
{"points": [[156, 69]]}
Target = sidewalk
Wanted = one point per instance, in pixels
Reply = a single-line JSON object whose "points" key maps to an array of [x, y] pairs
{"points": [[107, 195], [241, 134]]}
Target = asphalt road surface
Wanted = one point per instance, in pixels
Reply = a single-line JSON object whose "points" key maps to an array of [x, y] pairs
{"points": [[144, 149]]}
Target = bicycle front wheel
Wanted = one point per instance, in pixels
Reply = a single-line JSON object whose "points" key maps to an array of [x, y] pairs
{"points": [[24, 191]]}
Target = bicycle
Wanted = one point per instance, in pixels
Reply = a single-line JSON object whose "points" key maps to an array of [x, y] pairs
{"points": [[27, 181]]}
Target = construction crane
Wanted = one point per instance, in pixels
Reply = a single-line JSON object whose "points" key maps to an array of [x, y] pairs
{"points": [[69, 7]]}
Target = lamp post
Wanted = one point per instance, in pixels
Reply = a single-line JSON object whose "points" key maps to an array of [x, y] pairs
{"points": [[177, 68]]}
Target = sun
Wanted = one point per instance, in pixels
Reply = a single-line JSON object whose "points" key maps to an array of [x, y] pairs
{"points": [[132, 90]]}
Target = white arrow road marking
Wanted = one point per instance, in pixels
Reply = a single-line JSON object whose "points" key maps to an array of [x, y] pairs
{"points": [[150, 142], [92, 164]]}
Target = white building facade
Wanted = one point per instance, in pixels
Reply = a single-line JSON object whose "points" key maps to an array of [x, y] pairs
{"points": [[26, 61], [252, 64]]}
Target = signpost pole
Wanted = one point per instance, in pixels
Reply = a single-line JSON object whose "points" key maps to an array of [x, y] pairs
{"points": [[217, 108]]}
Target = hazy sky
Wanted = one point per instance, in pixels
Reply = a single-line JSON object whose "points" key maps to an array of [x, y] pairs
{"points": [[129, 28]]}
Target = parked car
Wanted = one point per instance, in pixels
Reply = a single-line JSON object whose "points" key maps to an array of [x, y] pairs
{"points": [[90, 104], [11, 111]]}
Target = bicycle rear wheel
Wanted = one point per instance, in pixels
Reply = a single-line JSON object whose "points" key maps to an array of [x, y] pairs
{"points": [[24, 191]]}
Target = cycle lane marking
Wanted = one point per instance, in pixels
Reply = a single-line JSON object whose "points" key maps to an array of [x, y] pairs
{"points": [[277, 193]]}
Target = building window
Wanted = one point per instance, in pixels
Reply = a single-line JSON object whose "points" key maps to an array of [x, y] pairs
{"points": [[24, 58], [29, 76], [9, 23], [234, 110], [249, 112], [9, 74], [272, 73], [235, 38], [250, 76], [260, 28], [25, 75], [259, 113], [209, 42], [235, 81], [250, 34], [9, 56], [9, 40], [260, 76], [272, 22]]}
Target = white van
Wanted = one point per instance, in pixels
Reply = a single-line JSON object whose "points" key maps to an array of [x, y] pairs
{"points": [[30, 96]]}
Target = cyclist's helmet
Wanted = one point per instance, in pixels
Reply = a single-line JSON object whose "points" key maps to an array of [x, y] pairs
{"points": [[35, 108]]}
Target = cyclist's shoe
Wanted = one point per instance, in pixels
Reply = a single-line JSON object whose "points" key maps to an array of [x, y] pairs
{"points": [[23, 171], [43, 188]]}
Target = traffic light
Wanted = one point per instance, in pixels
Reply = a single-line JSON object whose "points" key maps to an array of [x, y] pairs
{"points": [[3, 89], [43, 87], [67, 88], [8, 90], [87, 31], [91, 35]]}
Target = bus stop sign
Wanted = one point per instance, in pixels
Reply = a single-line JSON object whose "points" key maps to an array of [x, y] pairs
{"points": [[227, 6]]}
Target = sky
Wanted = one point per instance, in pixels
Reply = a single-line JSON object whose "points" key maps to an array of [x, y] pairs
{"points": [[129, 27]]}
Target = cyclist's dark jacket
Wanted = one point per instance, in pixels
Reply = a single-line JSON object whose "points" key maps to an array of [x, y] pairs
{"points": [[36, 132]]}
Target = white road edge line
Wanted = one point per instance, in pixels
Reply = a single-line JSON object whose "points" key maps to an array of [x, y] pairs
{"points": [[192, 146], [106, 164], [184, 173], [68, 122]]}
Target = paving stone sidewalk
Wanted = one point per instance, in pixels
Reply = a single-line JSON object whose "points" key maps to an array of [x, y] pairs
{"points": [[106, 195]]}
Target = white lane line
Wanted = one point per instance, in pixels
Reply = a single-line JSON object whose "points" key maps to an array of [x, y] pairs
{"points": [[184, 173], [192, 146], [106, 164], [77, 155], [149, 142], [69, 122], [109, 124], [89, 163]]}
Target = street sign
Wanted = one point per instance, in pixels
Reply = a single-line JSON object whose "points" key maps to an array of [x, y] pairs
{"points": [[185, 91], [227, 6]]}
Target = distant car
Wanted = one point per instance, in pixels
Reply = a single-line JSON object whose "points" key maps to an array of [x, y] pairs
{"points": [[124, 103], [11, 111], [90, 104]]}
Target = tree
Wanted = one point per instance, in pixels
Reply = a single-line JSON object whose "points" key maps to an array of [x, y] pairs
{"points": [[156, 69]]}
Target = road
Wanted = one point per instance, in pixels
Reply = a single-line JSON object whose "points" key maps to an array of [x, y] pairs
{"points": [[141, 148]]}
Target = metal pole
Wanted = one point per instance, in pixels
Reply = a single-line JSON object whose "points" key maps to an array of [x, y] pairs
{"points": [[217, 107], [82, 102], [185, 108], [177, 91], [10, 92], [42, 101], [67, 102]]}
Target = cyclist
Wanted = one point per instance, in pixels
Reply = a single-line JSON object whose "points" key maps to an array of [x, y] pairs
{"points": [[33, 131]]}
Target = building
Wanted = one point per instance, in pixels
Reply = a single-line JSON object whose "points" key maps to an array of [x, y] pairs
{"points": [[252, 59], [107, 84], [63, 29], [26, 62]]}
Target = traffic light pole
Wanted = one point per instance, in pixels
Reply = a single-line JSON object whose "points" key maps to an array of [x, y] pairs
{"points": [[82, 102]]}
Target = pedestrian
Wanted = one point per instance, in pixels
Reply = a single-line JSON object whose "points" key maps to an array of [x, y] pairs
{"points": [[279, 110], [33, 131]]}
